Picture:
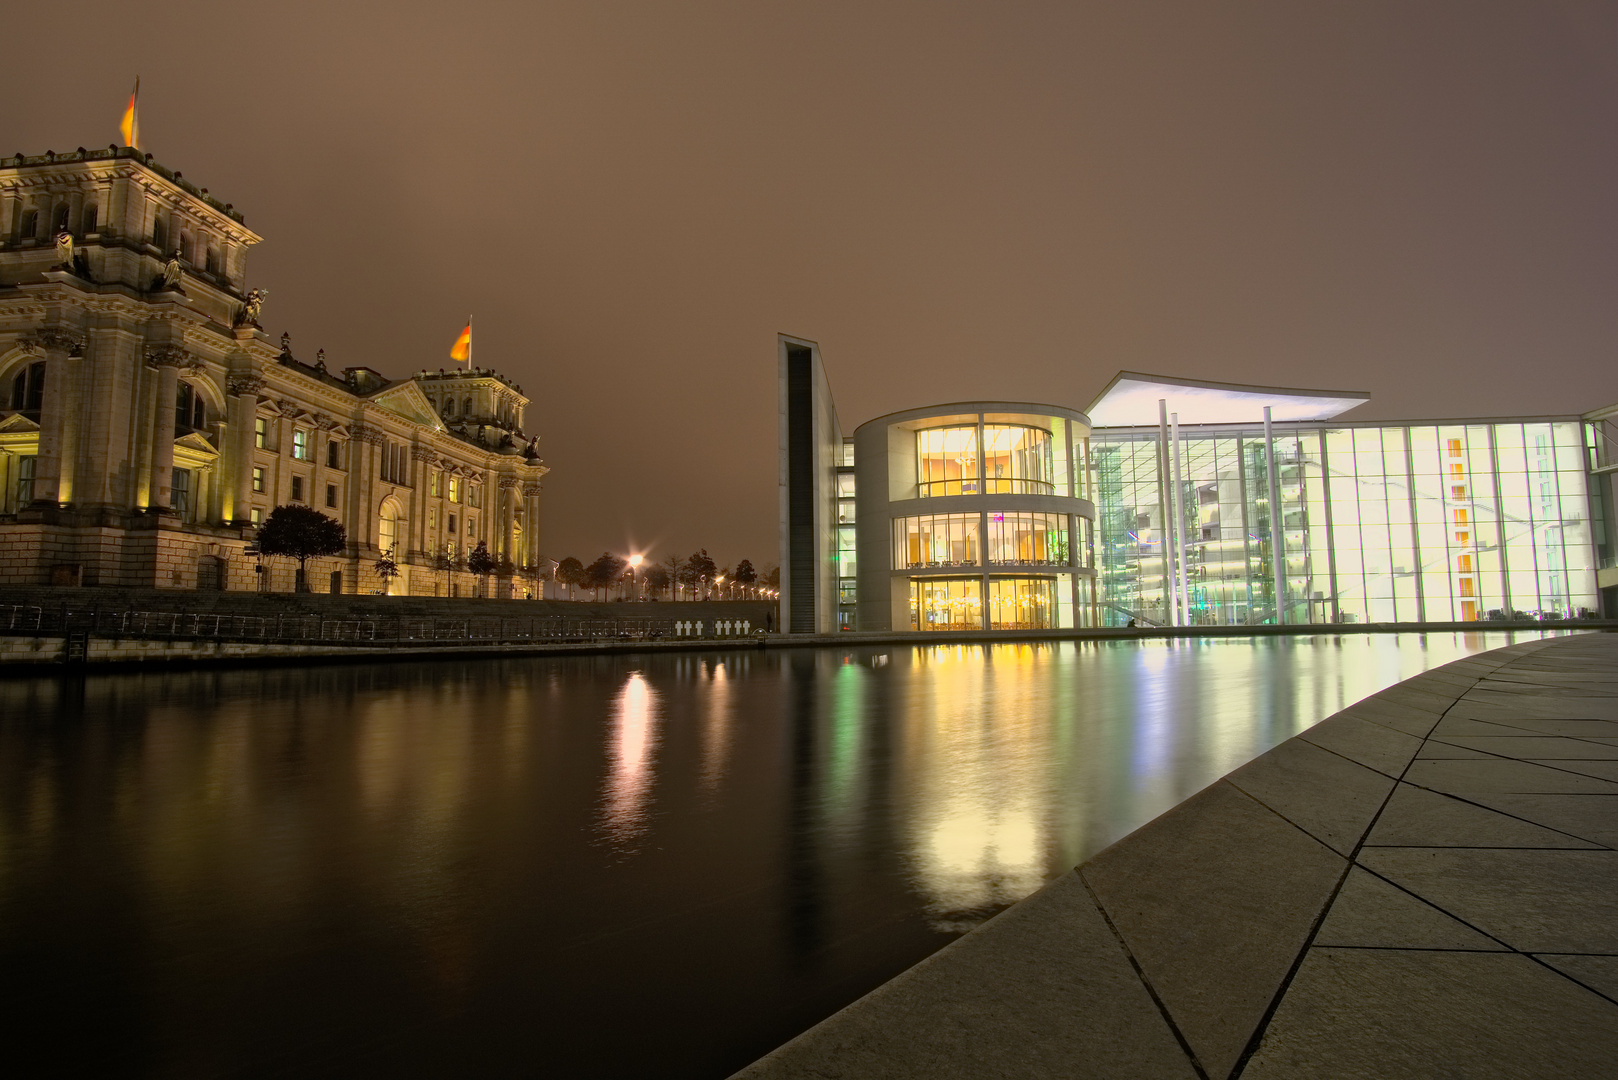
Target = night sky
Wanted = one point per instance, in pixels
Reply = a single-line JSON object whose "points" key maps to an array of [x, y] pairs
{"points": [[956, 200]]}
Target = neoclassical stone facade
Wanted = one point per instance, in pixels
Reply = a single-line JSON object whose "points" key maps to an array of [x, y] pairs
{"points": [[147, 422]]}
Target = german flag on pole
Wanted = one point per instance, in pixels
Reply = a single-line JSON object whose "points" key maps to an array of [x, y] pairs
{"points": [[462, 349], [129, 126]]}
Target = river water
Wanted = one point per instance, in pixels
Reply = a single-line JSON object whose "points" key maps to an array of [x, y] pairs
{"points": [[611, 866]]}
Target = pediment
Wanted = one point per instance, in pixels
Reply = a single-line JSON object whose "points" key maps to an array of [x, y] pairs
{"points": [[17, 422], [194, 451], [405, 399]]}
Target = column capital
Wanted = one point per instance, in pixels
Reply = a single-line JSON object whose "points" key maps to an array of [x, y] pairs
{"points": [[58, 339], [423, 453], [169, 355], [532, 488], [245, 385]]}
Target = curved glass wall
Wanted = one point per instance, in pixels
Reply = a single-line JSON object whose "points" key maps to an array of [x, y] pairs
{"points": [[947, 461], [935, 540], [946, 604], [1027, 538], [1018, 460], [1022, 603]]}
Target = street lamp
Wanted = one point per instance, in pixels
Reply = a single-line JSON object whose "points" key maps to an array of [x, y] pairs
{"points": [[634, 564]]}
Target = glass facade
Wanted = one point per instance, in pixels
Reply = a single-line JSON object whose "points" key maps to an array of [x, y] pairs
{"points": [[1375, 523], [1027, 538], [1018, 460], [946, 604], [947, 461], [936, 540], [1022, 603]]}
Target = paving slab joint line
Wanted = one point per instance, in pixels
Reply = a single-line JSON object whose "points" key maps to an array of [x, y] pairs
{"points": [[1140, 973], [1263, 1025]]}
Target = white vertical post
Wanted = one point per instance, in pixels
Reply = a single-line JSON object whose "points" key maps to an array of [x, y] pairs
{"points": [[1171, 590], [1182, 586], [1278, 536]]}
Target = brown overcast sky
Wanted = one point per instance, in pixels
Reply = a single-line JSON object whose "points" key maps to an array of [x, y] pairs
{"points": [[957, 200]]}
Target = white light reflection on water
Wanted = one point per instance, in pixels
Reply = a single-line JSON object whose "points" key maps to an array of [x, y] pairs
{"points": [[715, 728], [631, 771]]}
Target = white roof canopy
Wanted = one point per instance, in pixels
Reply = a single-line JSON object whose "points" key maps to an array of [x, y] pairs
{"points": [[1130, 400]]}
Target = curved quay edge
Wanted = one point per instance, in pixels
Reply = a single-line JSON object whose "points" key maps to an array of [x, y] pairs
{"points": [[1424, 883]]}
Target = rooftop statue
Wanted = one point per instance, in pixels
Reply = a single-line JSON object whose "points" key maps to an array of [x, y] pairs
{"points": [[64, 249], [252, 306], [171, 271]]}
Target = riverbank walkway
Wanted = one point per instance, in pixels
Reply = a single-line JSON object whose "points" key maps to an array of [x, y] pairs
{"points": [[1423, 885]]}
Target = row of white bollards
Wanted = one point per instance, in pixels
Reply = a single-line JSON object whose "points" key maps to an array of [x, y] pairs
{"points": [[721, 628]]}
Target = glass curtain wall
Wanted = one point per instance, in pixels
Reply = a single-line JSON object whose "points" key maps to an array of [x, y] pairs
{"points": [[1028, 538], [1018, 460], [1022, 603], [935, 540], [946, 604], [1408, 523], [947, 461]]}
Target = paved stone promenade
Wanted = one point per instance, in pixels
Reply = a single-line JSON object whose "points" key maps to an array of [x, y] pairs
{"points": [[1424, 885]]}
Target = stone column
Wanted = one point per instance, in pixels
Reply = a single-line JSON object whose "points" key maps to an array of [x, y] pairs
{"points": [[421, 458], [530, 520], [168, 359], [510, 491], [63, 349], [363, 461], [244, 391]]}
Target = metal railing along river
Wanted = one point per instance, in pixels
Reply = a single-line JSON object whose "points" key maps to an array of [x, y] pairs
{"points": [[18, 619]]}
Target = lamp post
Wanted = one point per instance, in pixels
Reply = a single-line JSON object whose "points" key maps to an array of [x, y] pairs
{"points": [[634, 564]]}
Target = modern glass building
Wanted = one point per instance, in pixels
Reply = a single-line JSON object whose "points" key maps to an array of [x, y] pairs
{"points": [[1176, 502]]}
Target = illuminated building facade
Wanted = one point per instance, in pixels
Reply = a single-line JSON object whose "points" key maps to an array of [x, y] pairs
{"points": [[147, 423], [1166, 519]]}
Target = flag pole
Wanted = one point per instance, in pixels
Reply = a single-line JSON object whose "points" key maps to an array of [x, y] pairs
{"points": [[469, 343]]}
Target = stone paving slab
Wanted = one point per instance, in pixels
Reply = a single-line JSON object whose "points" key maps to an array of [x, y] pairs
{"points": [[1424, 885]]}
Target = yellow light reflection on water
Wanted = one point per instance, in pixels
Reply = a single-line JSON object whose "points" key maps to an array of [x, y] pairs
{"points": [[630, 770]]}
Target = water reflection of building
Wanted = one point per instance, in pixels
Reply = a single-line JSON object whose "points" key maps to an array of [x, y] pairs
{"points": [[1188, 503]]}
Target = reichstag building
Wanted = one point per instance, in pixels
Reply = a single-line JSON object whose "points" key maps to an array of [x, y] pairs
{"points": [[149, 423]]}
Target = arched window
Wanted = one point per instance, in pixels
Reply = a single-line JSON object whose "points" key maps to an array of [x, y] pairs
{"points": [[387, 529], [30, 226], [185, 247], [449, 406], [61, 218], [213, 260], [466, 406], [28, 389], [89, 219], [190, 410], [160, 235]]}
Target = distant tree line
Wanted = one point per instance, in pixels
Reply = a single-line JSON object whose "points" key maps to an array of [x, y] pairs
{"points": [[696, 577]]}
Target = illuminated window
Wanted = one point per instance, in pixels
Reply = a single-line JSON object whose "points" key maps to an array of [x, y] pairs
{"points": [[935, 540], [261, 433], [258, 515], [1458, 491], [1018, 460], [1022, 603], [1466, 586], [1027, 538], [947, 461], [1464, 564], [946, 604], [258, 479], [300, 444], [454, 490], [1460, 517]]}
